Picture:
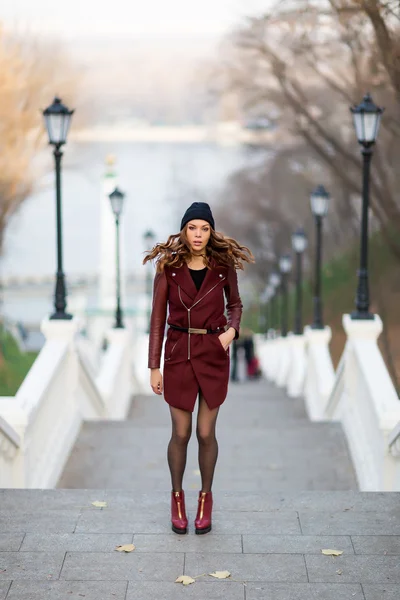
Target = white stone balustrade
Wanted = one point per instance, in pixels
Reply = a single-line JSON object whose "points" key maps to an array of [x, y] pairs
{"points": [[319, 373], [265, 351], [9, 445], [297, 367], [366, 403], [284, 361], [394, 446], [39, 426]]}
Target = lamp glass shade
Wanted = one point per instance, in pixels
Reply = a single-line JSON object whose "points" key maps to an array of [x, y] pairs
{"points": [[319, 201], [299, 241], [117, 199], [285, 263], [149, 235], [367, 117], [275, 279], [270, 291], [58, 120]]}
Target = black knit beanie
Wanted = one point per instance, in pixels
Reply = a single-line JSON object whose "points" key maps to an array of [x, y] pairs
{"points": [[198, 210]]}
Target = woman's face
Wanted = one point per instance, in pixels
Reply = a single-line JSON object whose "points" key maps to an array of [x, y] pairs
{"points": [[198, 233]]}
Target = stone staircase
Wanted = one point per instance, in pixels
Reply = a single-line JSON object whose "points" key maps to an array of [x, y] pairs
{"points": [[284, 489], [266, 443]]}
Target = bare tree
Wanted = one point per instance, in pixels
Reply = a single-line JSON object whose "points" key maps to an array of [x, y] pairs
{"points": [[31, 74], [308, 62]]}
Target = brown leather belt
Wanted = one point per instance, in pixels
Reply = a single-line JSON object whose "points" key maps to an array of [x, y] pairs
{"points": [[195, 330]]}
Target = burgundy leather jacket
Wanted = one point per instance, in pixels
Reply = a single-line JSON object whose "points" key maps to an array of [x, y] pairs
{"points": [[188, 307]]}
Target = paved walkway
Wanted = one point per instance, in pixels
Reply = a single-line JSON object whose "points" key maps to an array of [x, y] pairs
{"points": [[56, 545]]}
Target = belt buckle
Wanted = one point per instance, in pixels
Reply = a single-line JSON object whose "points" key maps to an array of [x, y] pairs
{"points": [[194, 330]]}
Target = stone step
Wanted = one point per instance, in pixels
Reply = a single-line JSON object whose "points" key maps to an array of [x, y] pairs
{"points": [[266, 442], [55, 545]]}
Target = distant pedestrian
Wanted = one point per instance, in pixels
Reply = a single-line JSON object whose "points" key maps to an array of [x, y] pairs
{"points": [[195, 267]]}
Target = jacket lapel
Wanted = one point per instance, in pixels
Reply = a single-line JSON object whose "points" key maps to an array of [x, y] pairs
{"points": [[182, 277], [211, 279]]}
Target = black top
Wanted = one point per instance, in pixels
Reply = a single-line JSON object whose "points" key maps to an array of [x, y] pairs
{"points": [[198, 276]]}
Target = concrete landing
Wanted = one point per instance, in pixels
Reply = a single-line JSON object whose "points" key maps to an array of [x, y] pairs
{"points": [[55, 545]]}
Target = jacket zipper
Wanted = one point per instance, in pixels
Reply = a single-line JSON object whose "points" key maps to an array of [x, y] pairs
{"points": [[189, 309], [189, 333]]}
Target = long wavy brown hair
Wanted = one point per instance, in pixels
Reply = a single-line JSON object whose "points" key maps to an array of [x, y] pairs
{"points": [[176, 251]]}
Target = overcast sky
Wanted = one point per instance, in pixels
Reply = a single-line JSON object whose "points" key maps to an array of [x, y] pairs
{"points": [[129, 16]]}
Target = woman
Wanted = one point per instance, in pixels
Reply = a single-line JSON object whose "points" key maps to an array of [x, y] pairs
{"points": [[194, 269]]}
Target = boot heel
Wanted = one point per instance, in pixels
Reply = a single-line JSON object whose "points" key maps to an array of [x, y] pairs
{"points": [[178, 530], [205, 530]]}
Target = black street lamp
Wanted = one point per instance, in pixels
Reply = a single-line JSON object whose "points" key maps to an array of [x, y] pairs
{"points": [[285, 266], [367, 118], [319, 205], [58, 119], [299, 244], [117, 199], [263, 312], [265, 309], [149, 237], [275, 281], [270, 315]]}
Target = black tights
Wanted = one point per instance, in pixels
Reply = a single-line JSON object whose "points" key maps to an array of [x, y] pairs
{"points": [[208, 445]]}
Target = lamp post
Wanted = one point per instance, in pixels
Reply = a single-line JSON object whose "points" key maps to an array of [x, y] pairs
{"points": [[285, 266], [269, 312], [262, 311], [275, 282], [367, 118], [319, 205], [57, 119], [149, 238], [299, 244], [265, 319], [117, 199]]}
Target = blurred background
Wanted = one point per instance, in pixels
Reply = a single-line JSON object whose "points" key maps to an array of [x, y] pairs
{"points": [[243, 104]]}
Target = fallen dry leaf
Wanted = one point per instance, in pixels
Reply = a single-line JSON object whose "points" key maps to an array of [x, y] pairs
{"points": [[99, 504], [220, 574], [329, 552], [125, 548], [185, 579]]}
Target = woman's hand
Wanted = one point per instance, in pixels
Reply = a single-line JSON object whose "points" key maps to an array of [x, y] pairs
{"points": [[156, 381], [227, 337]]}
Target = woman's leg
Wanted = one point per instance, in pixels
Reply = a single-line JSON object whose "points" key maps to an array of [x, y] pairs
{"points": [[177, 447], [208, 445]]}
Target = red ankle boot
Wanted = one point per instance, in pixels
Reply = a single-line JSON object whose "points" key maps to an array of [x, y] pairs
{"points": [[204, 509], [178, 512]]}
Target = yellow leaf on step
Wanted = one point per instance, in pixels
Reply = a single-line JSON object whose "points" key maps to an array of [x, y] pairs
{"points": [[125, 548], [329, 552], [220, 574], [185, 579], [99, 504]]}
